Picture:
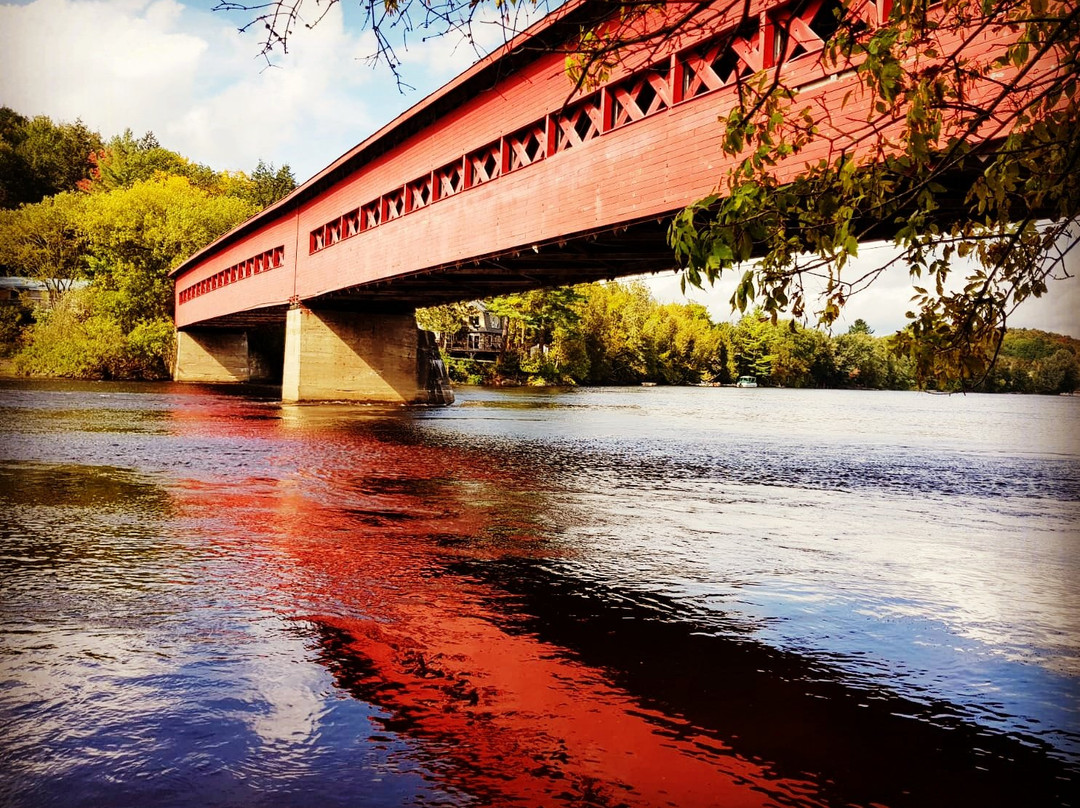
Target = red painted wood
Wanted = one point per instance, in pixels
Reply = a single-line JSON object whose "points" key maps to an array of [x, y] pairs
{"points": [[467, 185]]}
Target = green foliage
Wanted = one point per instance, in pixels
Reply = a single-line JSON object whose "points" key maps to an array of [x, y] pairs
{"points": [[899, 171], [13, 319], [46, 241], [137, 234], [79, 338], [143, 210], [268, 184], [444, 320], [615, 333], [127, 161], [1032, 361], [39, 158]]}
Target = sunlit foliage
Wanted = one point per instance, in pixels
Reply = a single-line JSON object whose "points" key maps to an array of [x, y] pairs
{"points": [[119, 227]]}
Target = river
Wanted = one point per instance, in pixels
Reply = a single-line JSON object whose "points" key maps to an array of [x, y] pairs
{"points": [[602, 597]]}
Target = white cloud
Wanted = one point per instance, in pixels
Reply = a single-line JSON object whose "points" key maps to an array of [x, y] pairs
{"points": [[188, 76]]}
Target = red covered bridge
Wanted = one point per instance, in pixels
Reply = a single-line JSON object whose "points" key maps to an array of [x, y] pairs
{"points": [[501, 181]]}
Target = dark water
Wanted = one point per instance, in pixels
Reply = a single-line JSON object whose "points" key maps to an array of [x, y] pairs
{"points": [[630, 597]]}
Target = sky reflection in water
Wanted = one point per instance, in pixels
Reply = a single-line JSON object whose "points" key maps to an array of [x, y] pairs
{"points": [[618, 597]]}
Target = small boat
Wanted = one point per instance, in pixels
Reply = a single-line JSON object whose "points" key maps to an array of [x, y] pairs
{"points": [[746, 381]]}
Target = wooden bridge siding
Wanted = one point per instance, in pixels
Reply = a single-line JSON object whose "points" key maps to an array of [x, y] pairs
{"points": [[642, 170], [649, 167], [268, 288]]}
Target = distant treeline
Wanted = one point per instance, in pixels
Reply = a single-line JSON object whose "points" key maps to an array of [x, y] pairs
{"points": [[617, 333], [100, 223]]}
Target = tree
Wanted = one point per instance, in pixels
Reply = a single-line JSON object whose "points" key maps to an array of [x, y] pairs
{"points": [[137, 234], [968, 159], [445, 321], [45, 241], [753, 343], [920, 76], [268, 184], [126, 160], [39, 158]]}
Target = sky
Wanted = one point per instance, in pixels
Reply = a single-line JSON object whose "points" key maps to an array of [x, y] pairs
{"points": [[187, 74]]}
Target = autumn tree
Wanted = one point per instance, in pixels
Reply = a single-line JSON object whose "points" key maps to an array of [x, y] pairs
{"points": [[39, 158]]}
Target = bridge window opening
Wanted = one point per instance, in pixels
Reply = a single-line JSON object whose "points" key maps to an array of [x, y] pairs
{"points": [[485, 164], [318, 239], [448, 180], [351, 221], [393, 204], [258, 267], [526, 146], [419, 193], [711, 67], [279, 256], [805, 33], [371, 214], [641, 95], [580, 123], [333, 232]]}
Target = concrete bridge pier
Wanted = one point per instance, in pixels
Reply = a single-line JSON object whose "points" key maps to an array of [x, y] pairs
{"points": [[372, 356]]}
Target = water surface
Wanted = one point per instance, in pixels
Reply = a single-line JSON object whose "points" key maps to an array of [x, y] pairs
{"points": [[616, 597]]}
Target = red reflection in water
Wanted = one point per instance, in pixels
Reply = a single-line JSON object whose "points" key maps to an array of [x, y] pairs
{"points": [[362, 533]]}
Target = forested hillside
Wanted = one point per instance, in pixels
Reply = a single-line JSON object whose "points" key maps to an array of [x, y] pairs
{"points": [[100, 223]]}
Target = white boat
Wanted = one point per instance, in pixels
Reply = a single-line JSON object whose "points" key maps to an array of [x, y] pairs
{"points": [[746, 381]]}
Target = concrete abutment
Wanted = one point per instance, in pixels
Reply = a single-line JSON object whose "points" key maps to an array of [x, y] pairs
{"points": [[212, 356]]}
